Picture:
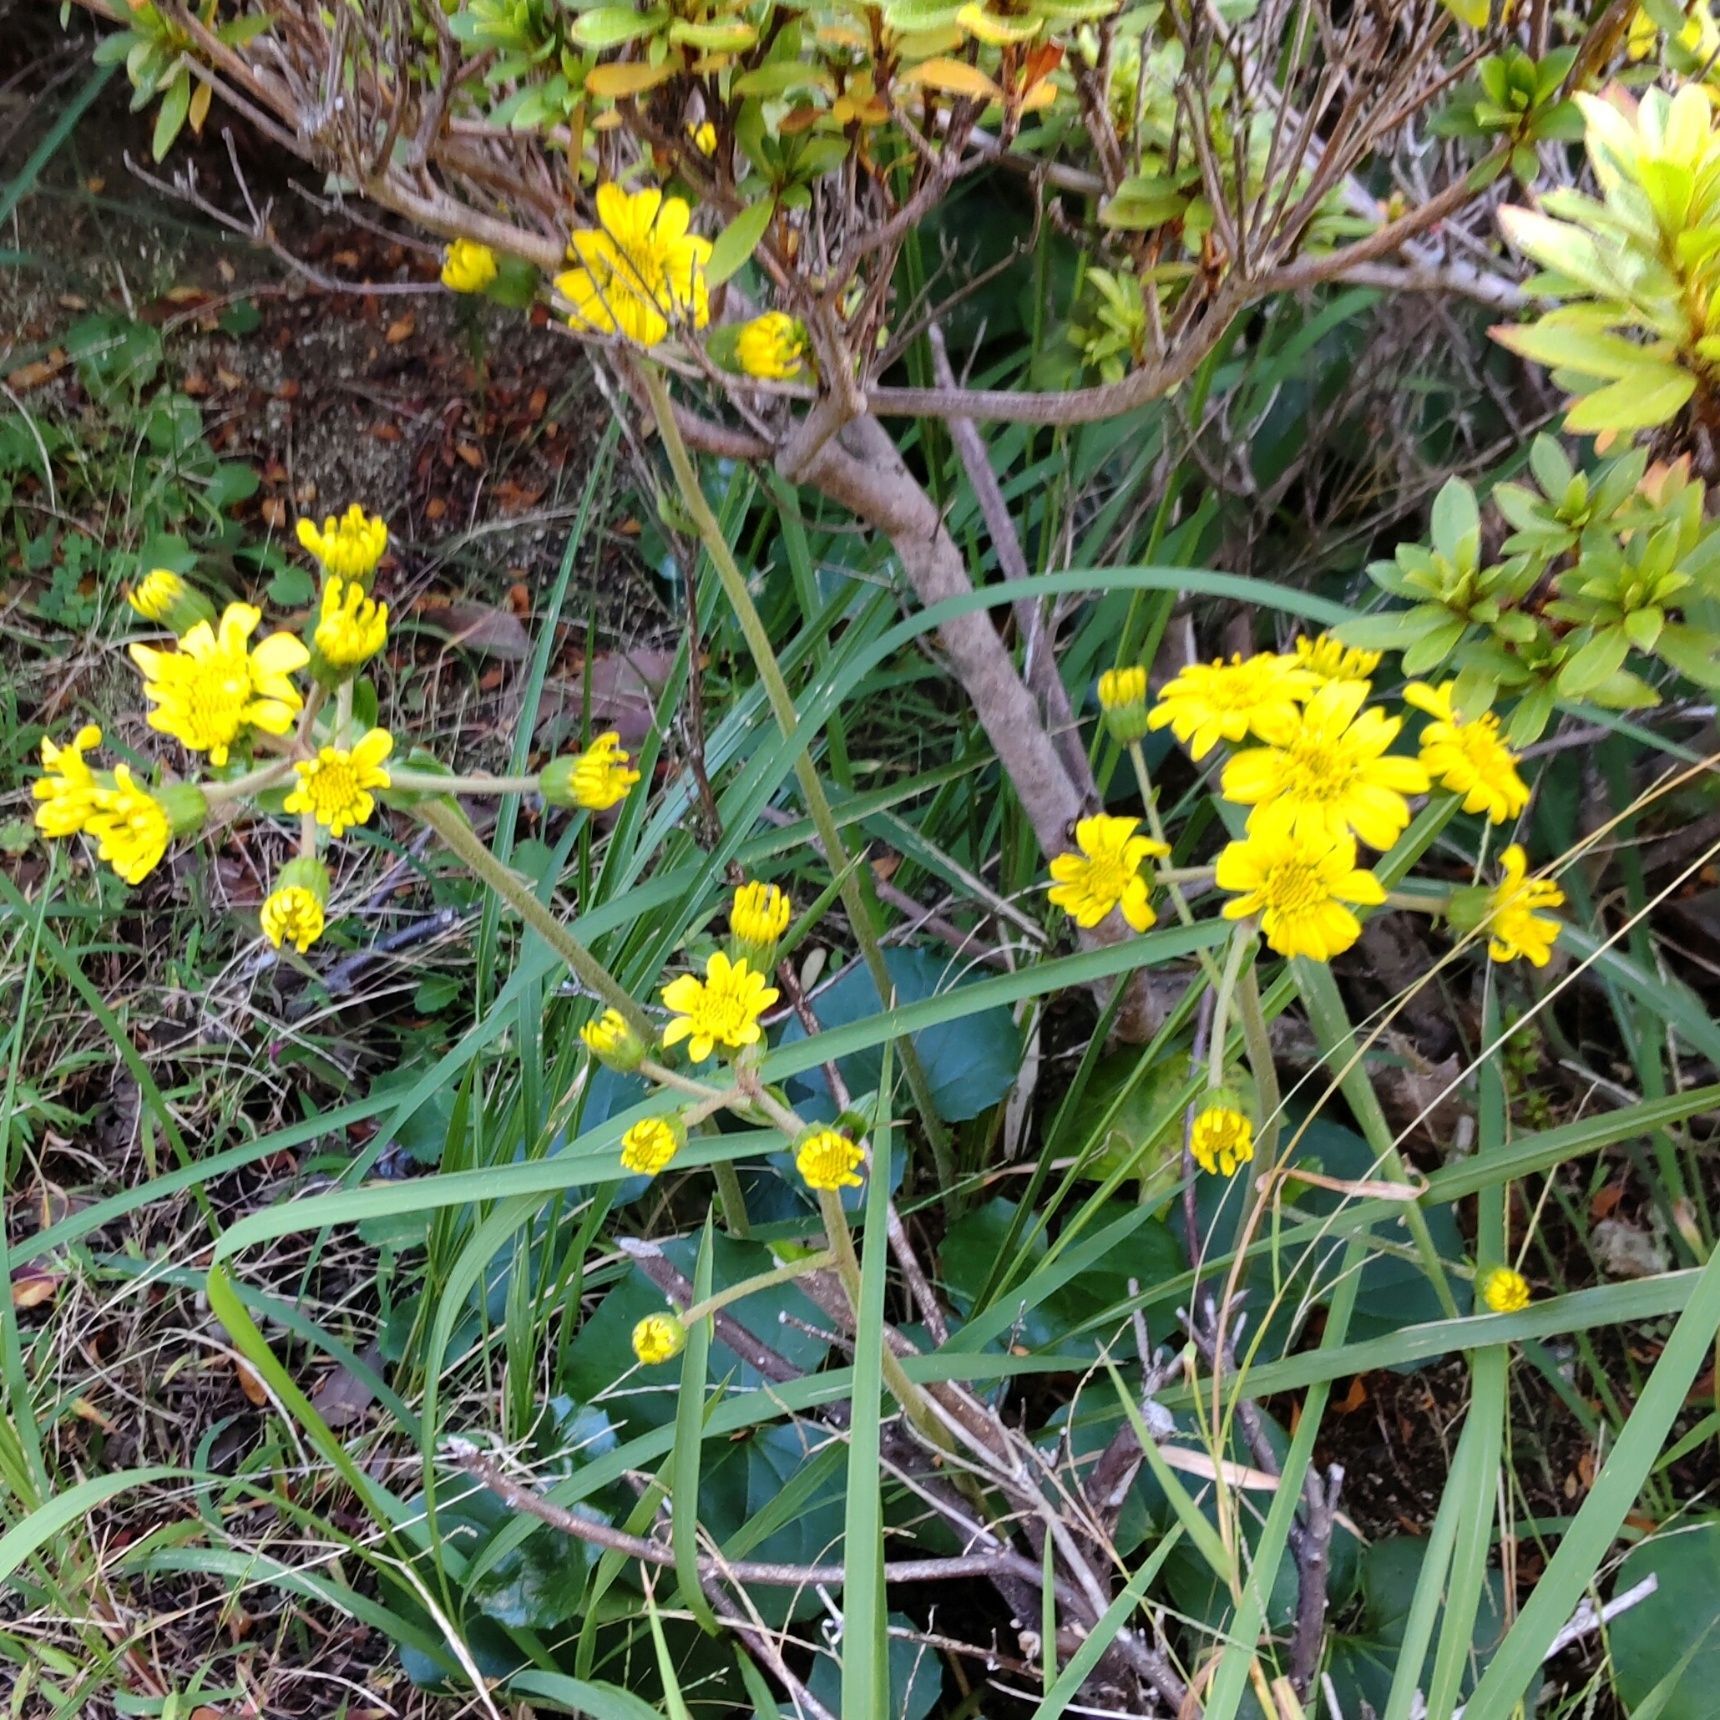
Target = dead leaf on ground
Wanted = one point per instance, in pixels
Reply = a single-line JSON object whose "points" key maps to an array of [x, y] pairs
{"points": [[34, 1285], [479, 628], [400, 329], [624, 687], [250, 1385], [342, 1397]]}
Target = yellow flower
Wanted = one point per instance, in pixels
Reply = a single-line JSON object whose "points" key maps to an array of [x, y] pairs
{"points": [[131, 827], [292, 916], [772, 346], [658, 1338], [334, 787], [1120, 688], [1469, 758], [67, 787], [156, 593], [351, 627], [1123, 700], [1211, 702], [827, 1160], [1514, 926], [704, 136], [1504, 1291], [1298, 884], [596, 779], [293, 912], [1221, 1139], [721, 1009], [1330, 770], [215, 684], [651, 1143], [610, 1039], [760, 913], [1328, 660], [639, 268], [350, 546], [1106, 874], [468, 267]]}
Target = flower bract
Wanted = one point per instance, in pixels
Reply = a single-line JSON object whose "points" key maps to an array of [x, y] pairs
{"points": [[640, 269], [1301, 885], [216, 684], [1106, 874], [335, 786], [721, 1009]]}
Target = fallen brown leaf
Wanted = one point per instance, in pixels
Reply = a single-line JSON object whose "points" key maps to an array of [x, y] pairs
{"points": [[34, 1285], [250, 1385], [401, 329]]}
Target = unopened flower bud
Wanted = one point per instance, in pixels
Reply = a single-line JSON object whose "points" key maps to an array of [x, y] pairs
{"points": [[595, 779], [162, 596], [1123, 699], [610, 1038], [659, 1338], [758, 917], [294, 911]]}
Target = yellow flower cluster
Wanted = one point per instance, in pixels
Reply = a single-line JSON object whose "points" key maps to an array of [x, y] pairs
{"points": [[348, 547], [595, 779], [468, 267], [640, 271], [335, 786], [649, 1145], [1504, 1291], [1221, 1139], [772, 347], [1313, 763], [351, 625]]}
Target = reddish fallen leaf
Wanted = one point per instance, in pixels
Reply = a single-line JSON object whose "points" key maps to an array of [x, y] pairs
{"points": [[34, 1285], [539, 400], [401, 329], [290, 389], [473, 456], [386, 432], [1355, 1398], [274, 511], [348, 259], [435, 509], [1606, 1200], [479, 628], [43, 370], [250, 1385], [228, 378], [186, 295]]}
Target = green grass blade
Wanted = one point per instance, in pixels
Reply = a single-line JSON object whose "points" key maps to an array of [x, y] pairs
{"points": [[684, 1461]]}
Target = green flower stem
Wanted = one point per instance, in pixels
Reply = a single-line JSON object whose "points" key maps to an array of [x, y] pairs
{"points": [[664, 1076], [429, 782], [784, 1274], [902, 1389], [308, 716], [462, 842], [806, 774], [1170, 877], [1257, 1044], [1241, 942], [342, 714], [253, 782], [731, 1197]]}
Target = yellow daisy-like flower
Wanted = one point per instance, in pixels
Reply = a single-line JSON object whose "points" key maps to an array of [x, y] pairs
{"points": [[772, 346], [292, 915], [1222, 1138], [67, 787], [659, 1338], [1469, 758], [760, 913], [468, 267], [131, 827], [651, 1143], [156, 593], [704, 136], [1300, 884], [610, 1039], [1328, 660], [596, 779], [1211, 702], [1504, 1291], [1515, 926], [721, 1009], [351, 627], [216, 683], [350, 546], [1106, 874], [1330, 770], [639, 269], [827, 1160], [334, 787]]}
